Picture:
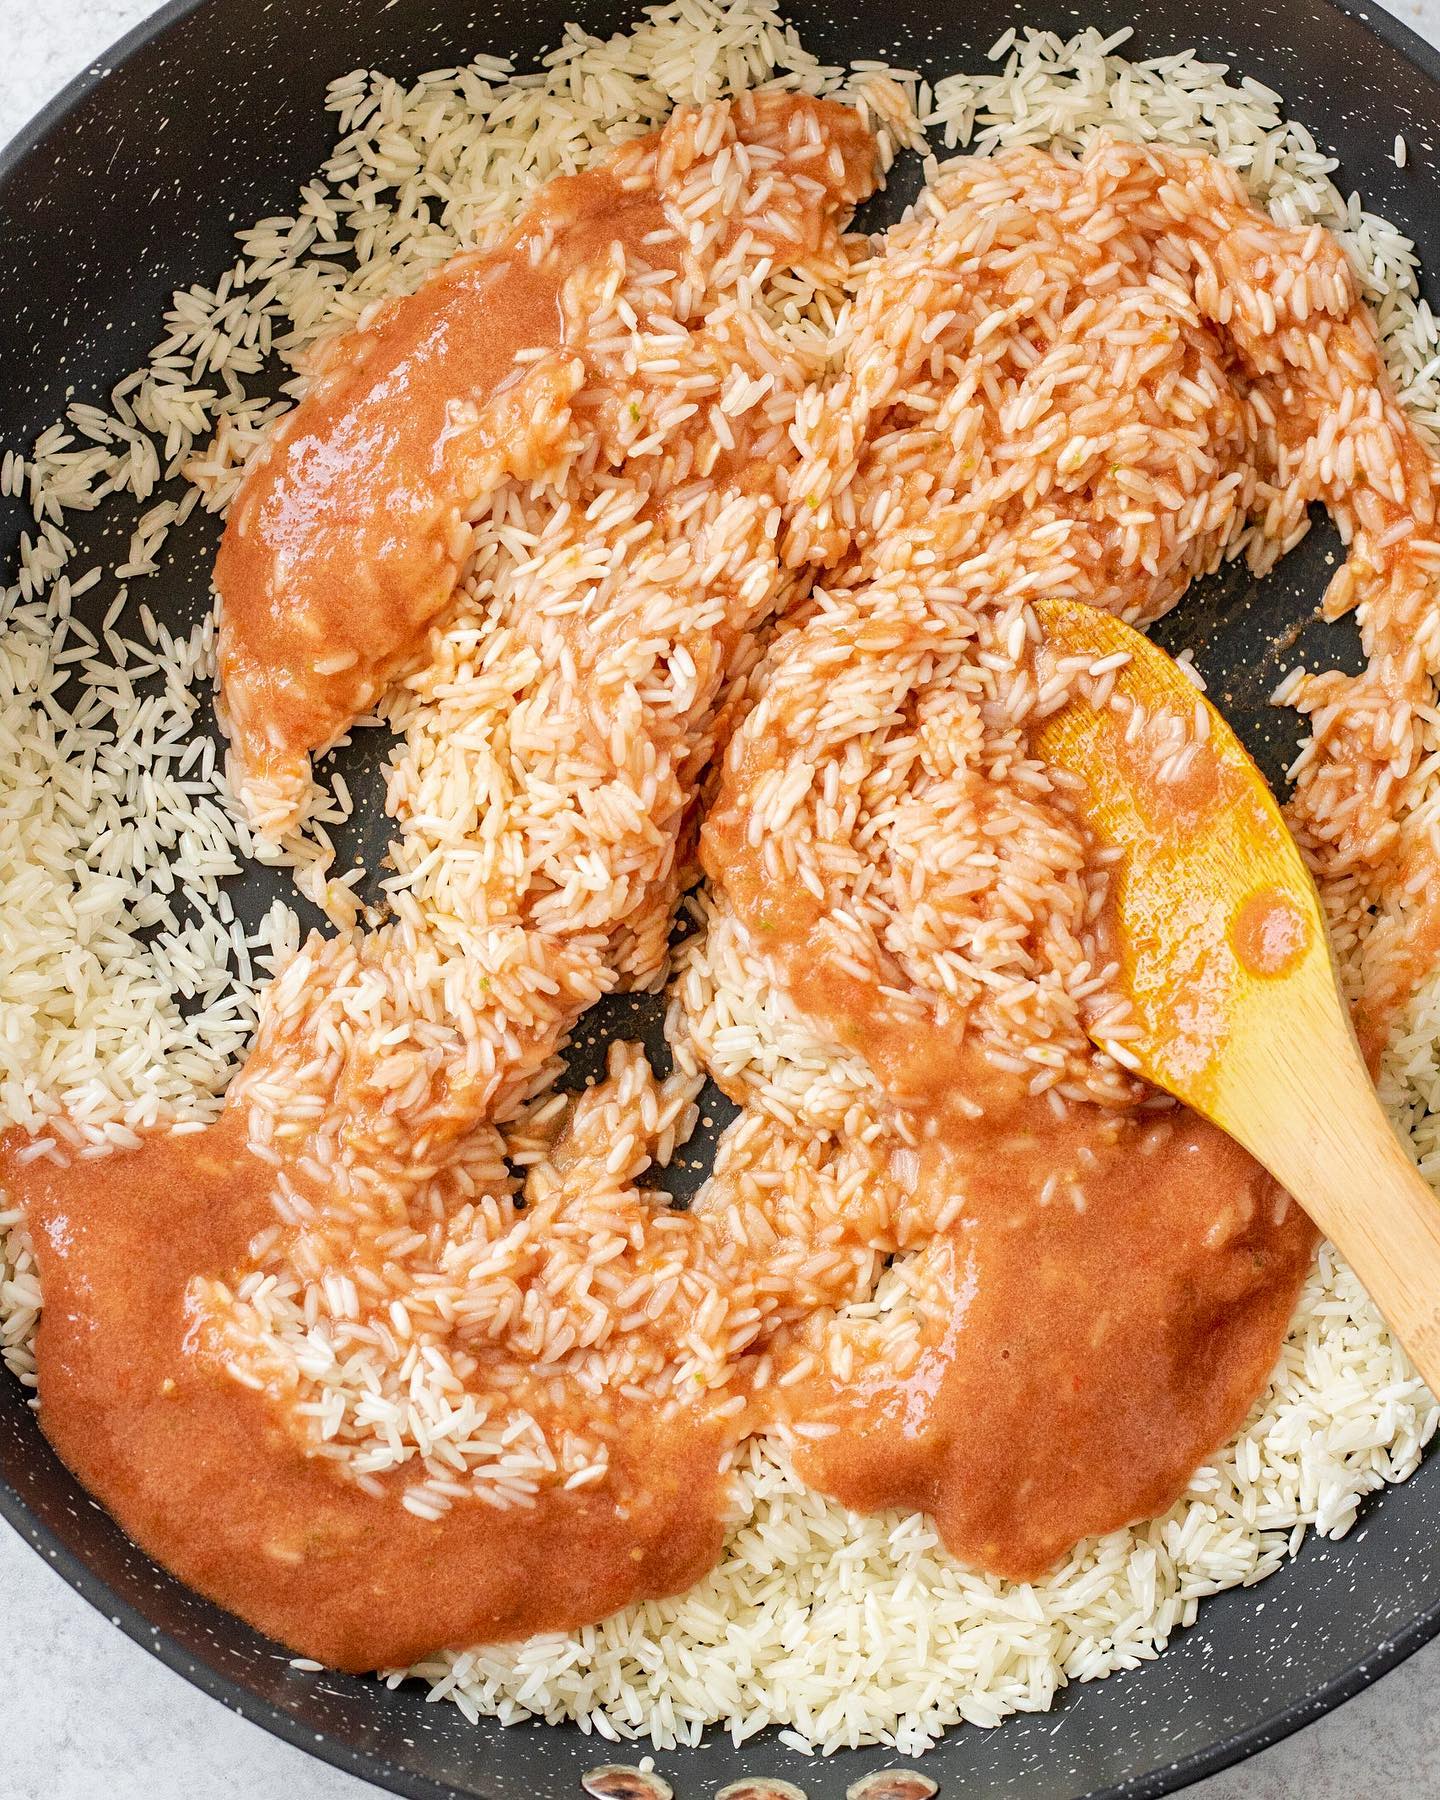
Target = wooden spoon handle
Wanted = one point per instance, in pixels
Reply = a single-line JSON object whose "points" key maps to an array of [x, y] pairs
{"points": [[1337, 1154]]}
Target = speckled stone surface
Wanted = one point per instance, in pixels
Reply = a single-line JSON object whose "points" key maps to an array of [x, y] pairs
{"points": [[84, 1712]]}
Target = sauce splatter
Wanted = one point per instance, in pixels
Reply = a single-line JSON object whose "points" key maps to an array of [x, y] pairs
{"points": [[1271, 934]]}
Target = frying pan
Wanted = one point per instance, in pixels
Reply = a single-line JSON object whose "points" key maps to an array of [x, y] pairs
{"points": [[129, 185]]}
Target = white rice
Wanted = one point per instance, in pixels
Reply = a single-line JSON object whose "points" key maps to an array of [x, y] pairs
{"points": [[122, 1003]]}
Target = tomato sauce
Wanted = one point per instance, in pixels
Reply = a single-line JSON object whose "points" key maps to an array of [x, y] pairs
{"points": [[201, 1472], [1116, 1285]]}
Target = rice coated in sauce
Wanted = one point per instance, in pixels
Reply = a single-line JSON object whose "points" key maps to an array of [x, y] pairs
{"points": [[1003, 1170], [350, 533], [364, 1110]]}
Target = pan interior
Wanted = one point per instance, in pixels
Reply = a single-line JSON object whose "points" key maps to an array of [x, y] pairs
{"points": [[1221, 1686]]}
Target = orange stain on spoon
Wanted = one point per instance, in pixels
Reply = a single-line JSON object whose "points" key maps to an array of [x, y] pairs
{"points": [[1270, 934]]}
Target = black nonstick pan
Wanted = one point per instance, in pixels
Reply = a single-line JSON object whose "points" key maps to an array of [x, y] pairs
{"points": [[129, 186]]}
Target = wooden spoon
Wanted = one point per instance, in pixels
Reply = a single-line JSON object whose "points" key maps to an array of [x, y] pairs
{"points": [[1237, 1004]]}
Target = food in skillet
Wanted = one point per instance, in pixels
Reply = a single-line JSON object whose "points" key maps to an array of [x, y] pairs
{"points": [[693, 569]]}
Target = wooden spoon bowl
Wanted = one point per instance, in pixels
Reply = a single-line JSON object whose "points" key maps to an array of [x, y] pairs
{"points": [[1236, 997]]}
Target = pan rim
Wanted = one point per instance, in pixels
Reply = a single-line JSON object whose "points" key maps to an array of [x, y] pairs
{"points": [[370, 1765]]}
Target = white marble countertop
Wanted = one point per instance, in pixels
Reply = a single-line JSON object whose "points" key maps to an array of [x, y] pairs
{"points": [[84, 1712]]}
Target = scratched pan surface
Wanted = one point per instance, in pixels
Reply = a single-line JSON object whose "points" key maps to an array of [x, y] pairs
{"points": [[103, 211]]}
